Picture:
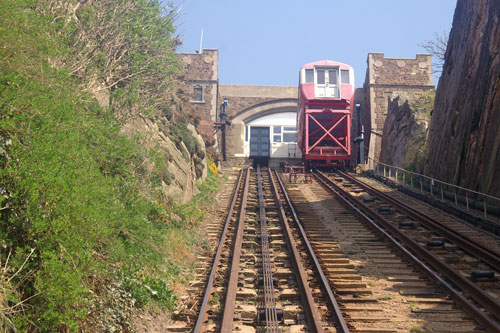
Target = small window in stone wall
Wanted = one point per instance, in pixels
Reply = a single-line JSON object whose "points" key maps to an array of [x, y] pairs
{"points": [[198, 94]]}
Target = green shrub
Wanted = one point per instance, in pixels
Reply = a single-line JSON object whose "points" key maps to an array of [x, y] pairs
{"points": [[150, 289], [71, 185]]}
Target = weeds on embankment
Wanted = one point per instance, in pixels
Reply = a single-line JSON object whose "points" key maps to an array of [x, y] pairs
{"points": [[79, 246]]}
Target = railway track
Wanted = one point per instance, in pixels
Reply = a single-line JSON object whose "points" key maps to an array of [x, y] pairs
{"points": [[217, 229], [377, 289], [476, 233], [464, 266], [259, 280], [292, 258]]}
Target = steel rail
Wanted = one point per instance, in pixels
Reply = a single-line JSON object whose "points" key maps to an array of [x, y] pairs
{"points": [[227, 318], [311, 310], [272, 325], [483, 253], [203, 315], [342, 325], [449, 273]]}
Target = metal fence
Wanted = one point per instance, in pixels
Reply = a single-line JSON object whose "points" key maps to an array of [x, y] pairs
{"points": [[462, 197]]}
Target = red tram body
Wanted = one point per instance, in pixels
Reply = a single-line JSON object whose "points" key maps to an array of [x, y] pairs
{"points": [[326, 100]]}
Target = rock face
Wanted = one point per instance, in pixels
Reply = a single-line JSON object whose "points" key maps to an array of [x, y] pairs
{"points": [[181, 169], [464, 138], [405, 129]]}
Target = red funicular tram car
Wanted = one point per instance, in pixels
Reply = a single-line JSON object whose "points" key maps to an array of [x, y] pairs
{"points": [[326, 100]]}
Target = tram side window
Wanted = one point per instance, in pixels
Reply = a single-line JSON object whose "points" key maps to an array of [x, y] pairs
{"points": [[344, 76], [309, 76], [332, 76], [320, 77]]}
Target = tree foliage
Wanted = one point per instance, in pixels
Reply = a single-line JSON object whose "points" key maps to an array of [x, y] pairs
{"points": [[123, 48]]}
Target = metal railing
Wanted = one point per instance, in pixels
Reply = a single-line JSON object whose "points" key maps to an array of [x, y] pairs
{"points": [[462, 196]]}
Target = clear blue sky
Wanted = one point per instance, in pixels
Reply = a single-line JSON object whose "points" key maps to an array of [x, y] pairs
{"points": [[266, 42]]}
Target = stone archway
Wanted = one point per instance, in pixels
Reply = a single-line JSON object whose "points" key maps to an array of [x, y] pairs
{"points": [[266, 108], [235, 134]]}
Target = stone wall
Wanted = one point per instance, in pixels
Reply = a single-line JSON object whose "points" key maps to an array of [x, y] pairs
{"points": [[201, 71], [386, 79], [242, 97], [248, 102], [464, 139]]}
